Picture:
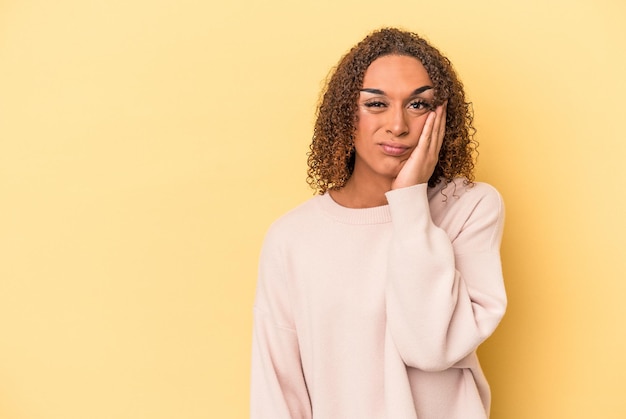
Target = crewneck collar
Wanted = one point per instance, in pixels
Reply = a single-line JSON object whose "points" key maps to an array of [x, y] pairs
{"points": [[374, 215]]}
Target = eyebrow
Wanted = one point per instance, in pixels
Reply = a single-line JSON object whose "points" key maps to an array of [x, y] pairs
{"points": [[380, 92]]}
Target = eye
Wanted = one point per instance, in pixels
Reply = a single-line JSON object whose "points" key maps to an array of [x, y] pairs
{"points": [[420, 105], [375, 104]]}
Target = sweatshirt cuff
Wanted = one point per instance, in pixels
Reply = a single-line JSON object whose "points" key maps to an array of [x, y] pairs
{"points": [[409, 205]]}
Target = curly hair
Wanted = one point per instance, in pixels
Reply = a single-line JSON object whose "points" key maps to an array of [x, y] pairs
{"points": [[331, 156]]}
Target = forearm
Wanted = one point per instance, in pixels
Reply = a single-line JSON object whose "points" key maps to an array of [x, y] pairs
{"points": [[440, 305]]}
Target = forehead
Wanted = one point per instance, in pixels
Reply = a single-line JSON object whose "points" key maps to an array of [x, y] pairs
{"points": [[396, 70]]}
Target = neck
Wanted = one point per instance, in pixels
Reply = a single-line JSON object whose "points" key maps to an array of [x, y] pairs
{"points": [[366, 194]]}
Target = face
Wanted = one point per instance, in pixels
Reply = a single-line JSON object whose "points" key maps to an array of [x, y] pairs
{"points": [[393, 105]]}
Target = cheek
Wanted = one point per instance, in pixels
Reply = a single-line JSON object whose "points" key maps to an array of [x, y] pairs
{"points": [[417, 125], [367, 124]]}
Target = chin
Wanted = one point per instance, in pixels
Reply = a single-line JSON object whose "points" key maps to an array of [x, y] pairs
{"points": [[391, 172]]}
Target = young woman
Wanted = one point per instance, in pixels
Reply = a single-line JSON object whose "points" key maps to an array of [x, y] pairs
{"points": [[373, 296]]}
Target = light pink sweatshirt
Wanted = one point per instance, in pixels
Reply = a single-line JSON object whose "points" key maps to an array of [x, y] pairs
{"points": [[377, 312]]}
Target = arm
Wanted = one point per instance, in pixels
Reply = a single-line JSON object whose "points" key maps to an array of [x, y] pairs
{"points": [[278, 389], [443, 298]]}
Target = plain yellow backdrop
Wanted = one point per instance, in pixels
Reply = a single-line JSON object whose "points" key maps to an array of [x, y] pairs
{"points": [[145, 147]]}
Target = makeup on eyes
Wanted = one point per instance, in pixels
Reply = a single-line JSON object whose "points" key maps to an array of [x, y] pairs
{"points": [[415, 98]]}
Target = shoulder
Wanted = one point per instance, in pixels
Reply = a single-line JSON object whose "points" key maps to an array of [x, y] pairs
{"points": [[293, 223], [459, 194], [461, 208]]}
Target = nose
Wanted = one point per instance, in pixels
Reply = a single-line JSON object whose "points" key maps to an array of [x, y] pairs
{"points": [[397, 124]]}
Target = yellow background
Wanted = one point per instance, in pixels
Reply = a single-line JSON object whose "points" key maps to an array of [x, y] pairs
{"points": [[145, 146]]}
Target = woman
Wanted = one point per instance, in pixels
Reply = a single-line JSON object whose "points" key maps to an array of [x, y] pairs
{"points": [[373, 296]]}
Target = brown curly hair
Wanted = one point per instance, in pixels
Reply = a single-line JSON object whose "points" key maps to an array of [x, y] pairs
{"points": [[331, 156]]}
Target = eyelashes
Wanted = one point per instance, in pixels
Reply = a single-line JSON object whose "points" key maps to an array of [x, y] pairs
{"points": [[374, 104], [421, 105]]}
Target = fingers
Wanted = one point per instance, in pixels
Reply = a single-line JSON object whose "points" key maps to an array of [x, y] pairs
{"points": [[425, 139], [434, 130], [439, 127]]}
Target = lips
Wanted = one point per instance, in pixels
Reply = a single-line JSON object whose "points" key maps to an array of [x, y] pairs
{"points": [[394, 149]]}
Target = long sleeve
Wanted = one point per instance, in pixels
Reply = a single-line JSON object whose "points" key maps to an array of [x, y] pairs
{"points": [[278, 388], [444, 295]]}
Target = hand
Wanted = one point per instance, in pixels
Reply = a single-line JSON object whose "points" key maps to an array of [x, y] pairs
{"points": [[420, 165]]}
